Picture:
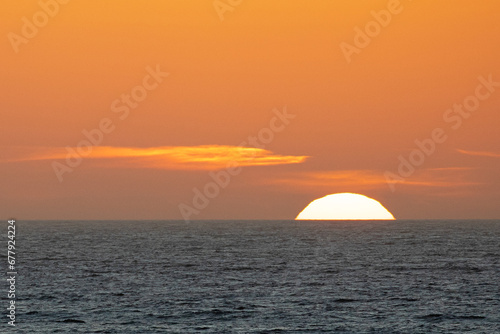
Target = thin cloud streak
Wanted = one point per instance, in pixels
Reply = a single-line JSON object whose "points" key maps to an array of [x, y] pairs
{"points": [[360, 180], [480, 153], [206, 157]]}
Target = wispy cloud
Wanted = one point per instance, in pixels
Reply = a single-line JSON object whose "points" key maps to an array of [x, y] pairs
{"points": [[342, 178], [362, 180], [480, 153], [206, 157]]}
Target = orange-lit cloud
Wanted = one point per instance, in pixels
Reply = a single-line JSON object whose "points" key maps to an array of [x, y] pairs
{"points": [[480, 153], [360, 180], [206, 157]]}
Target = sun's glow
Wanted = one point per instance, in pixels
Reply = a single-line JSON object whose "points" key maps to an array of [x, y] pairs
{"points": [[345, 206]]}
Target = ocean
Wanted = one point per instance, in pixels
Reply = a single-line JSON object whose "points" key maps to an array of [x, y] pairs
{"points": [[256, 277]]}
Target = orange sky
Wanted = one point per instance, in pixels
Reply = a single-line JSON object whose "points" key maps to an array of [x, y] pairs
{"points": [[220, 82]]}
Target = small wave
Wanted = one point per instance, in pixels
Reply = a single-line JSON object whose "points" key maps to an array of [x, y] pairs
{"points": [[240, 269], [439, 317], [463, 268], [45, 297], [73, 321], [470, 317], [316, 284], [432, 317], [202, 328], [273, 330], [344, 300], [216, 311], [406, 299], [212, 312], [50, 259]]}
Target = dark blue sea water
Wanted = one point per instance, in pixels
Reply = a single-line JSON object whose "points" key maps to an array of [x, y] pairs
{"points": [[257, 277]]}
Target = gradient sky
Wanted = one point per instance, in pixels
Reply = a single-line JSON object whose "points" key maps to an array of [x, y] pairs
{"points": [[228, 79]]}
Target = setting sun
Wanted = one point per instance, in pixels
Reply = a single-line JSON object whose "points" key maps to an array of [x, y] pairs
{"points": [[345, 206]]}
